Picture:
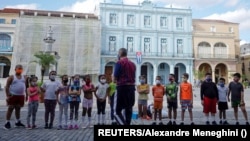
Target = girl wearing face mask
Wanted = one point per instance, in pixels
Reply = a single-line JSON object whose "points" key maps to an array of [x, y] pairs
{"points": [[222, 101], [33, 102], [50, 89], [63, 102], [143, 91], [101, 96], [74, 101]]}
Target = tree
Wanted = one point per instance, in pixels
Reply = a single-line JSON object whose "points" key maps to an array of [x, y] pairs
{"points": [[199, 74], [45, 60]]}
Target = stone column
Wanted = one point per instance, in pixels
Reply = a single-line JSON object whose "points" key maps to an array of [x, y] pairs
{"points": [[155, 72]]}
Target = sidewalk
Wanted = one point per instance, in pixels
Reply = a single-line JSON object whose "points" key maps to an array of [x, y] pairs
{"points": [[41, 134]]}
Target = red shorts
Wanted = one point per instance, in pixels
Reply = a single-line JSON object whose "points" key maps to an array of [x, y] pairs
{"points": [[16, 100], [209, 105]]}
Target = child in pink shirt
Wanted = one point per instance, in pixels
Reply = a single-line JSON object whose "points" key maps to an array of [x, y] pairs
{"points": [[33, 98]]}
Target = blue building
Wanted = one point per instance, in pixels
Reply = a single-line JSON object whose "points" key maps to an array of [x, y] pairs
{"points": [[161, 36]]}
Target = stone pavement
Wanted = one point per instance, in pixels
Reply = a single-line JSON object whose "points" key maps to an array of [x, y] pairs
{"points": [[41, 134]]}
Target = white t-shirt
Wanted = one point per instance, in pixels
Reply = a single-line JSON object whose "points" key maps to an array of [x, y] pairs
{"points": [[102, 90], [222, 93], [50, 89]]}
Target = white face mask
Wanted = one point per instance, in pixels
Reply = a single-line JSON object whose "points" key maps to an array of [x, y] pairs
{"points": [[157, 81], [103, 80]]}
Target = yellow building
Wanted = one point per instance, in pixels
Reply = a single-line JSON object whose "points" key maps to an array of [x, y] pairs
{"points": [[8, 20], [216, 47]]}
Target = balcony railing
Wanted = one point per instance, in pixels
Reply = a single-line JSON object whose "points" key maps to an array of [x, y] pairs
{"points": [[6, 49], [216, 56], [151, 54]]}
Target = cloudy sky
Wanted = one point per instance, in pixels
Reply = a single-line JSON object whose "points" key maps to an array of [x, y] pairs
{"points": [[237, 11]]}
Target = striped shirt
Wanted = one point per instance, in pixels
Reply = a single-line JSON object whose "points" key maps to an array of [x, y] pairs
{"points": [[125, 72]]}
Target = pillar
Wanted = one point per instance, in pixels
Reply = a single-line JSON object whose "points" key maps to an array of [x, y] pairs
{"points": [[155, 73], [172, 68], [213, 75], [138, 73]]}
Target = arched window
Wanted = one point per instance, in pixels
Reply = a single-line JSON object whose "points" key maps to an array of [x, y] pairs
{"points": [[220, 50], [5, 42], [204, 50]]}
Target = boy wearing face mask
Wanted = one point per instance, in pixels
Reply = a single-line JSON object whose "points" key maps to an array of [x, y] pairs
{"points": [[171, 94], [33, 101], [209, 97], [101, 96], [143, 91], [237, 97], [158, 93], [63, 102], [222, 103], [74, 101], [186, 98], [50, 98]]}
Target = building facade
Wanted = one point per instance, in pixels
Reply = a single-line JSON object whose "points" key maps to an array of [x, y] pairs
{"points": [[77, 40], [216, 48], [158, 39], [8, 21], [245, 60]]}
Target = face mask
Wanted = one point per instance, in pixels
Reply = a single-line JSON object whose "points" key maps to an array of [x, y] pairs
{"points": [[52, 77], [19, 71], [170, 79], [103, 80], [142, 81], [33, 83], [76, 82], [87, 81], [208, 79], [236, 80], [65, 81], [222, 84], [157, 82], [184, 79]]}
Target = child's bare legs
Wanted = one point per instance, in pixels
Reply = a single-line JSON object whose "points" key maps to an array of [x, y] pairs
{"points": [[160, 115], [243, 109], [144, 111], [190, 115], [220, 116], [170, 115], [175, 115], [182, 115], [236, 114], [139, 110]]}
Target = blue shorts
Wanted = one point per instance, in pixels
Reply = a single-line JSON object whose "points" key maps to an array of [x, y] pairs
{"points": [[186, 104]]}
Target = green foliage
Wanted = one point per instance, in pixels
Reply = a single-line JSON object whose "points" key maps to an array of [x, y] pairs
{"points": [[199, 74], [45, 60]]}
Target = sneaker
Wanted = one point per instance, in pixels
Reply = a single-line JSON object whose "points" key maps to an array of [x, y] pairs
{"points": [[192, 123], [28, 127], [161, 123], [169, 123], [59, 127], [207, 123], [247, 123], [50, 126], [154, 123], [7, 126], [221, 122], [85, 126], [225, 123], [70, 127], [76, 127], [46, 126], [19, 124], [182, 123], [174, 123], [237, 123], [34, 126], [214, 123]]}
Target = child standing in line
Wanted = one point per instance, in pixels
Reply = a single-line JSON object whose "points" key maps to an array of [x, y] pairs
{"points": [[101, 96], [171, 92], [74, 100], [143, 91], [237, 98], [222, 103], [87, 102], [111, 95], [33, 98], [158, 93], [186, 98], [63, 102]]}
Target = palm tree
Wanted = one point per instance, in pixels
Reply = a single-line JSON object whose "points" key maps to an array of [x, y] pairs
{"points": [[45, 60]]}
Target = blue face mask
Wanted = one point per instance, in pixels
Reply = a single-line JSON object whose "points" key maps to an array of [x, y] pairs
{"points": [[208, 79], [142, 81], [222, 84], [76, 82]]}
